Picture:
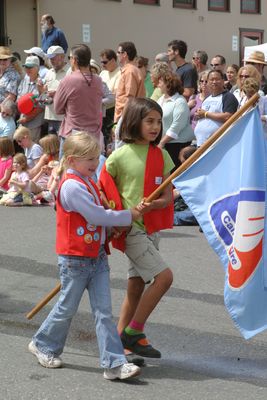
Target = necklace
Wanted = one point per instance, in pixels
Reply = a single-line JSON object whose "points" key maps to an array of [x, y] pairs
{"points": [[88, 81]]}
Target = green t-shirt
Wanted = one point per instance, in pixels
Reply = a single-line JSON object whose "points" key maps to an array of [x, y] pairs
{"points": [[127, 166]]}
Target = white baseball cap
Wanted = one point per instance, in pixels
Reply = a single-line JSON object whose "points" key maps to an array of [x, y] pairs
{"points": [[32, 61], [54, 50], [36, 51]]}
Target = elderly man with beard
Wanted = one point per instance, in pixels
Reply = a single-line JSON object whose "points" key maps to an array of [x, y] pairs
{"points": [[216, 109], [51, 35]]}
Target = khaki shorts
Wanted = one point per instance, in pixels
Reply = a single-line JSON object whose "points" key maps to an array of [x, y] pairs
{"points": [[142, 250]]}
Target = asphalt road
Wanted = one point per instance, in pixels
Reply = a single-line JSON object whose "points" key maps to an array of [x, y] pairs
{"points": [[203, 355]]}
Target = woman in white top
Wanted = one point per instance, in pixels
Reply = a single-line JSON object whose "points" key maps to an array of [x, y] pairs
{"points": [[247, 71], [177, 131]]}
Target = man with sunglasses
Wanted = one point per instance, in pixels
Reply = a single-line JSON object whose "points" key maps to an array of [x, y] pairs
{"points": [[199, 59], [218, 64], [131, 82], [110, 73]]}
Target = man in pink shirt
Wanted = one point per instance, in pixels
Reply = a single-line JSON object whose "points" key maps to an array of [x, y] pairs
{"points": [[79, 96], [131, 83]]}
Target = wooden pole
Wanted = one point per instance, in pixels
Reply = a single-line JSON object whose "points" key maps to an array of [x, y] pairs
{"points": [[44, 301], [204, 147], [176, 173]]}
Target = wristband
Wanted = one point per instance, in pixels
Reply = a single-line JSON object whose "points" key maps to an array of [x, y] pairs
{"points": [[205, 115]]}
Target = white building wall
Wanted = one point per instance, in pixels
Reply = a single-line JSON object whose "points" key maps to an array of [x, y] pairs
{"points": [[151, 27]]}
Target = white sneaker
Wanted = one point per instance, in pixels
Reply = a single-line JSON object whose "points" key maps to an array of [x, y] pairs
{"points": [[124, 371], [44, 359]]}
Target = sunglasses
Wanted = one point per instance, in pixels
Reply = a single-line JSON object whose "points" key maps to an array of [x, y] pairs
{"points": [[104, 62], [244, 76], [214, 65]]}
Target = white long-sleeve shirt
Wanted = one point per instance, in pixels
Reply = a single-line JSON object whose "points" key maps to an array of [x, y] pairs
{"points": [[75, 197]]}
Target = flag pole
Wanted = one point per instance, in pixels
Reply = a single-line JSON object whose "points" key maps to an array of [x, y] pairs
{"points": [[176, 173], [185, 165], [43, 302]]}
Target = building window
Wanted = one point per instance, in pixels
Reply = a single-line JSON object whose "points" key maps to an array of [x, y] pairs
{"points": [[185, 4], [250, 6], [219, 5], [249, 37], [154, 2]]}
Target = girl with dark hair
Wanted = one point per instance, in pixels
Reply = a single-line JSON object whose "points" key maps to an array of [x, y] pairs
{"points": [[130, 174]]}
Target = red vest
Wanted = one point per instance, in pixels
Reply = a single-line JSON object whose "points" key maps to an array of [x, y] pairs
{"points": [[154, 220], [75, 236]]}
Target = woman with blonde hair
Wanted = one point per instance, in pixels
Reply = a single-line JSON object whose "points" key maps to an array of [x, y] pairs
{"points": [[249, 88], [247, 71], [195, 101], [156, 72]]}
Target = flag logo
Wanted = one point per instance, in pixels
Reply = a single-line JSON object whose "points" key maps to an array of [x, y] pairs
{"points": [[238, 221]]}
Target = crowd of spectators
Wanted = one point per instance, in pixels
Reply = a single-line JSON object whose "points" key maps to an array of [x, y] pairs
{"points": [[56, 91]]}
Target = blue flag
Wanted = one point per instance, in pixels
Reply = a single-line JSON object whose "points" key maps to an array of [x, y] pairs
{"points": [[225, 189]]}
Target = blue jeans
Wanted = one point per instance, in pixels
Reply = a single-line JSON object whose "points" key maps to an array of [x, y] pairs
{"points": [[184, 217], [76, 275]]}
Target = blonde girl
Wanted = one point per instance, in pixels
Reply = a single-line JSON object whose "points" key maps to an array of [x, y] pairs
{"points": [[50, 146], [82, 261], [33, 151], [19, 184]]}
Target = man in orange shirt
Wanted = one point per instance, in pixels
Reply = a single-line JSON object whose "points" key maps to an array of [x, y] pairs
{"points": [[131, 82]]}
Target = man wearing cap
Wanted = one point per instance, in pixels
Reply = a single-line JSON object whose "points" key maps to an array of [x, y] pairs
{"points": [[30, 84], [52, 36], [9, 77], [37, 51], [257, 58], [52, 79]]}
